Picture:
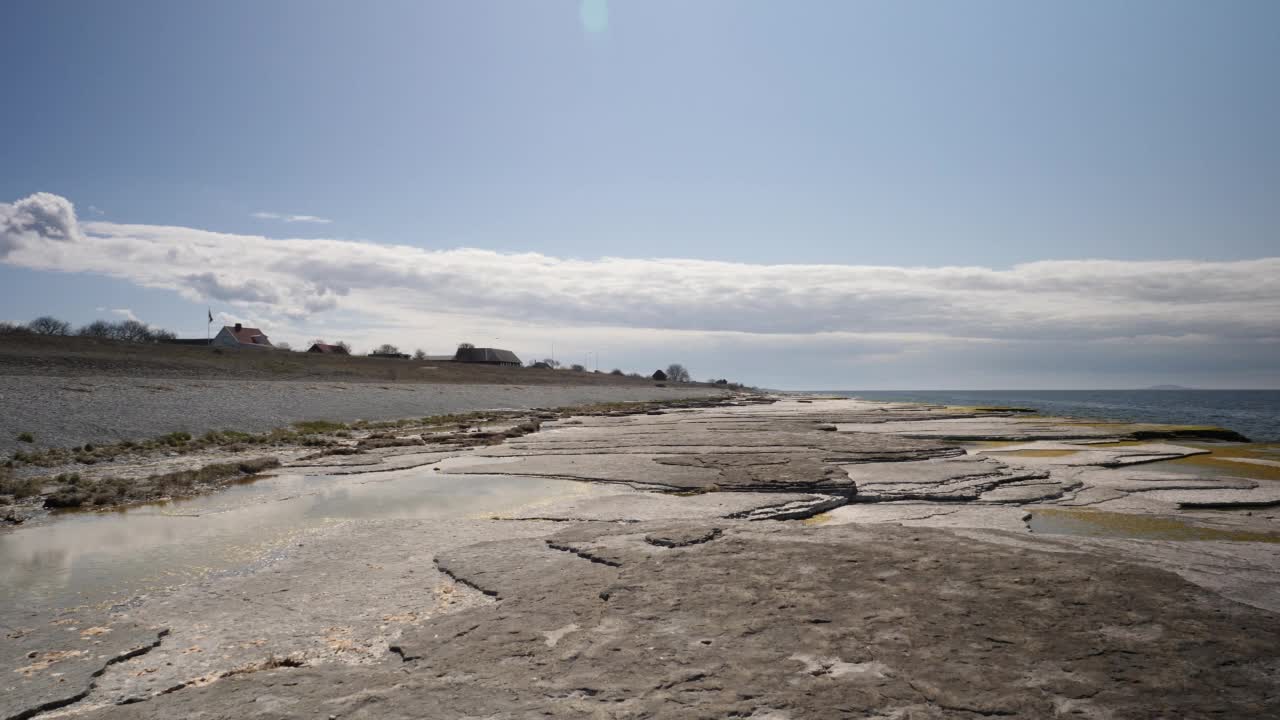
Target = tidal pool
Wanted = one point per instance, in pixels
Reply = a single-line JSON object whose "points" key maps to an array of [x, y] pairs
{"points": [[104, 558], [1098, 523]]}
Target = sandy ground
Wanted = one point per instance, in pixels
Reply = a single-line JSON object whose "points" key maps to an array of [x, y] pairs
{"points": [[70, 411]]}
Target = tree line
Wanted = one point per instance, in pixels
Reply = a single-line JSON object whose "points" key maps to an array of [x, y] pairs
{"points": [[126, 330], [140, 332]]}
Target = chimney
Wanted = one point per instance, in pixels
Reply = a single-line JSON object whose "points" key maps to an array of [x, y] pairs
{"points": [[238, 327]]}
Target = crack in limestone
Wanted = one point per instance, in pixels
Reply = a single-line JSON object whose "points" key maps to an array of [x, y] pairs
{"points": [[871, 457], [63, 702], [1227, 504], [793, 510], [405, 657], [950, 490], [540, 518], [463, 581], [270, 663], [668, 542], [583, 554]]}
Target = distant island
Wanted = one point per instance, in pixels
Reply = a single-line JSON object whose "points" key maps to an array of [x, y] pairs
{"points": [[1168, 387]]}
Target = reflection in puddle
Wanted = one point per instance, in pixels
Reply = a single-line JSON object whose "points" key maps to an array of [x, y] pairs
{"points": [[1096, 523], [106, 557]]}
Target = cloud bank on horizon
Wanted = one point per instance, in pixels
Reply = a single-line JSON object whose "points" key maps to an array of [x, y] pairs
{"points": [[284, 217], [859, 314]]}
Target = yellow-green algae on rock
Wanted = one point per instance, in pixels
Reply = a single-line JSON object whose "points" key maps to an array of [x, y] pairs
{"points": [[1233, 460], [1035, 452], [1098, 523]]}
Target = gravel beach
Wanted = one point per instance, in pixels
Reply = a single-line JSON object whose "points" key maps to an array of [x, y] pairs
{"points": [[65, 411]]}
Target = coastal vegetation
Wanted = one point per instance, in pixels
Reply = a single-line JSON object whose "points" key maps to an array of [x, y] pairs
{"points": [[71, 480], [72, 490]]}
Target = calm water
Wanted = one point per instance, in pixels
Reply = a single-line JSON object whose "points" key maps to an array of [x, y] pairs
{"points": [[100, 558], [1253, 413]]}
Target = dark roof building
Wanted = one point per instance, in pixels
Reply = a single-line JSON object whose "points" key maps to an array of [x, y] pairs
{"points": [[659, 375], [486, 356], [327, 348]]}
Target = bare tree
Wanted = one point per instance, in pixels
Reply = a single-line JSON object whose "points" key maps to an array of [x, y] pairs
{"points": [[677, 373], [578, 368], [125, 330], [419, 354], [615, 371], [465, 346], [344, 345], [97, 328], [49, 325], [551, 362], [387, 349], [133, 331]]}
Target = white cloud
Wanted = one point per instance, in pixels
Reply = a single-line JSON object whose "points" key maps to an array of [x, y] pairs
{"points": [[864, 315], [125, 313], [39, 218], [291, 218]]}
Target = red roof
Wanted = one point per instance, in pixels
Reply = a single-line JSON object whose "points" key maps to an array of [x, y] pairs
{"points": [[248, 335], [326, 348]]}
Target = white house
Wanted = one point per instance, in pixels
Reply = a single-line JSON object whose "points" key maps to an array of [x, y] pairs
{"points": [[241, 336]]}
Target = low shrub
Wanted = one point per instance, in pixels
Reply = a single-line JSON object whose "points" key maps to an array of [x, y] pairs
{"points": [[66, 499], [312, 427], [26, 437], [18, 488], [257, 465]]}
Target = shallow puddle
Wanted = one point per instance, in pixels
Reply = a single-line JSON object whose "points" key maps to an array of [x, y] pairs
{"points": [[1097, 523], [1034, 453], [108, 557]]}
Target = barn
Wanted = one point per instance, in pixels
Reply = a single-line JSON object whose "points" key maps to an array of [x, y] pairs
{"points": [[487, 356]]}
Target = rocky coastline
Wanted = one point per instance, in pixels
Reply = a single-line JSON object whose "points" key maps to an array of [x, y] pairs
{"points": [[757, 557]]}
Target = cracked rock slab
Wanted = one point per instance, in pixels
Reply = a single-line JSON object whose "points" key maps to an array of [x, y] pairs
{"points": [[774, 621], [960, 479], [631, 506], [56, 664]]}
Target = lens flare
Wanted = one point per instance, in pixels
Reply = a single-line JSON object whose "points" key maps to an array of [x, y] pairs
{"points": [[595, 15]]}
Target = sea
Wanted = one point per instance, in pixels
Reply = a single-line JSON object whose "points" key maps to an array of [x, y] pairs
{"points": [[1252, 413]]}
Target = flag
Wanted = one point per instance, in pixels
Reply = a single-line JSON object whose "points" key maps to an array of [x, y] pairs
{"points": [[210, 314]]}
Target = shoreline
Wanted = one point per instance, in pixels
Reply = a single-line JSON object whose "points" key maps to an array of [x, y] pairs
{"points": [[71, 479], [66, 412], [45, 483], [1252, 413], [714, 596]]}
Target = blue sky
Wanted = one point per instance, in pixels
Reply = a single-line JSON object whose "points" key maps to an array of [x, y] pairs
{"points": [[841, 134]]}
